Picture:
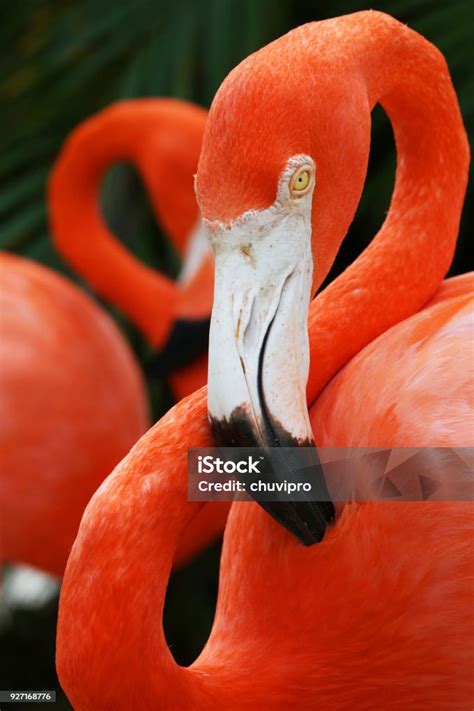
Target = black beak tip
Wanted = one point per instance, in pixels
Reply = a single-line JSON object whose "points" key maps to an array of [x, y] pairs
{"points": [[308, 521]]}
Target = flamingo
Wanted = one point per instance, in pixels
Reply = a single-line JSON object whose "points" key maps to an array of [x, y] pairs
{"points": [[375, 614], [162, 137], [72, 395]]}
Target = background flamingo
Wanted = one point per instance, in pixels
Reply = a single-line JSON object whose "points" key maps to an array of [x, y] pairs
{"points": [[73, 398], [162, 137], [62, 439], [378, 614], [73, 402]]}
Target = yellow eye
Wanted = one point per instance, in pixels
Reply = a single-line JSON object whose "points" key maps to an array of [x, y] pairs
{"points": [[300, 181]]}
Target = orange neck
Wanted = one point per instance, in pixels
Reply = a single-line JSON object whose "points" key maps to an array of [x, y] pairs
{"points": [[407, 260], [163, 139], [131, 547]]}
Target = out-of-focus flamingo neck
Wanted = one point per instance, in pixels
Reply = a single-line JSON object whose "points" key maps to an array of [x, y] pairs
{"points": [[162, 138], [407, 260]]}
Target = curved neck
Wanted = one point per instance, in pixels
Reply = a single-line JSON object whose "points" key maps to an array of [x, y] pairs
{"points": [[123, 556], [406, 262], [162, 138]]}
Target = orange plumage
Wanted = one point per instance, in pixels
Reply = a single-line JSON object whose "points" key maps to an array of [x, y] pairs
{"points": [[73, 402], [378, 615], [428, 395]]}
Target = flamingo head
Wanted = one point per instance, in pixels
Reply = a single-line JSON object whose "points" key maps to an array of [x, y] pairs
{"points": [[280, 175]]}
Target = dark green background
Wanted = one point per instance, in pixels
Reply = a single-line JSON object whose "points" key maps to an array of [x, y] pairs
{"points": [[61, 62]]}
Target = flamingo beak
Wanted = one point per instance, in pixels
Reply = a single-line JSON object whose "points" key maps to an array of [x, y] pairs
{"points": [[188, 338], [259, 350]]}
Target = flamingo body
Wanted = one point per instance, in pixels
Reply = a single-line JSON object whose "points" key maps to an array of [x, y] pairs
{"points": [[382, 604], [73, 402], [413, 384]]}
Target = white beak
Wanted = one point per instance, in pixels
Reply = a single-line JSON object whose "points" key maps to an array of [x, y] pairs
{"points": [[258, 349]]}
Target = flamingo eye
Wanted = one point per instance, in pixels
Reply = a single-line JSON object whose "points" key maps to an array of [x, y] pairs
{"points": [[300, 181]]}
